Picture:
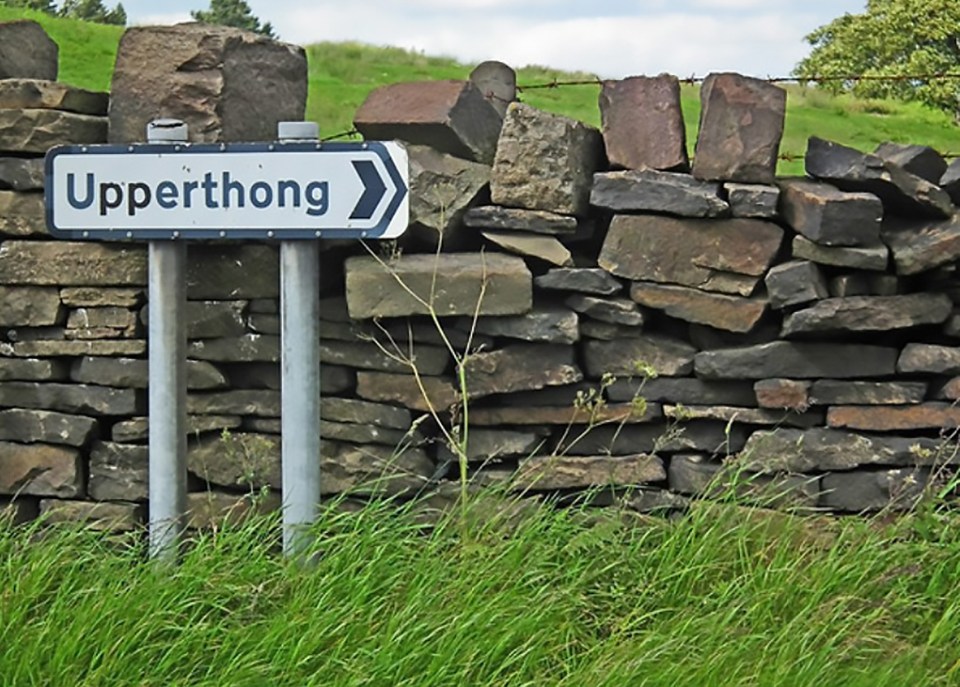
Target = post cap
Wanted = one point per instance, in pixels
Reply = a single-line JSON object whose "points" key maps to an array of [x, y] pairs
{"points": [[166, 130], [294, 131]]}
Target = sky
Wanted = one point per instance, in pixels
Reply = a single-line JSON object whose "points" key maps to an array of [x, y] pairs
{"points": [[610, 39]]}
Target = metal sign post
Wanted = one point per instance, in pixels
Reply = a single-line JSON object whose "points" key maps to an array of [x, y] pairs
{"points": [[300, 374], [167, 387]]}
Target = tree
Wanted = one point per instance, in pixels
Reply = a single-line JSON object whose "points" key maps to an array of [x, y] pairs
{"points": [[93, 10], [47, 6], [892, 38], [235, 13]]}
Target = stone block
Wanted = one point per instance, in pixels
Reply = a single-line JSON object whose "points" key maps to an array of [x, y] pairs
{"points": [[488, 445], [850, 170], [545, 248], [27, 52], [71, 349], [517, 219], [930, 359], [103, 517], [722, 311], [869, 314], [30, 306], [239, 349], [241, 459], [592, 280], [615, 310], [33, 426], [373, 470], [547, 324], [520, 367], [21, 173], [226, 84], [133, 373], [22, 214], [442, 189], [452, 117], [547, 473], [797, 360], [36, 131], [697, 475], [918, 246], [790, 394], [82, 399], [137, 428], [545, 161], [680, 390], [259, 402], [211, 319], [642, 123], [454, 284], [747, 416], [424, 394], [647, 190], [566, 415], [66, 263], [752, 200], [921, 161], [29, 94], [860, 491], [836, 392], [874, 258], [831, 217], [741, 124], [794, 282], [666, 356], [40, 470], [703, 436], [950, 181], [233, 272], [726, 256], [929, 415], [32, 370], [214, 509]]}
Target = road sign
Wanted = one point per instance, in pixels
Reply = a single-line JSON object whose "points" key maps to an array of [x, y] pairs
{"points": [[284, 190]]}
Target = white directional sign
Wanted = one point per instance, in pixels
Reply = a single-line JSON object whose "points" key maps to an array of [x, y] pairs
{"points": [[295, 190]]}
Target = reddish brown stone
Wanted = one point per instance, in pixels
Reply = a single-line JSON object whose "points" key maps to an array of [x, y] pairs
{"points": [[741, 123], [40, 470], [791, 394], [643, 124], [930, 415], [731, 313], [450, 116]]}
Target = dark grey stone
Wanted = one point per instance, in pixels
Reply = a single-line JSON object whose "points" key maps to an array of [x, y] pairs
{"points": [[831, 217], [647, 190], [517, 219], [612, 310], [800, 360], [666, 356], [682, 390], [520, 367], [547, 324], [591, 280], [31, 426], [950, 181], [919, 246], [83, 399], [119, 472], [875, 258], [752, 200], [797, 281], [869, 314], [857, 491], [26, 51], [835, 392], [133, 373], [921, 161], [929, 358], [707, 436], [21, 173]]}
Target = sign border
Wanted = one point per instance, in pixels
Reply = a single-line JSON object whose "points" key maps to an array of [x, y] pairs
{"points": [[377, 147]]}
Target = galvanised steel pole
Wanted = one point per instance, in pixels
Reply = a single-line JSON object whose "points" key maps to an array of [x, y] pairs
{"points": [[300, 374], [167, 295]]}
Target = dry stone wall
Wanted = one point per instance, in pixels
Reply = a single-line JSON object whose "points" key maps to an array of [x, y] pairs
{"points": [[625, 325]]}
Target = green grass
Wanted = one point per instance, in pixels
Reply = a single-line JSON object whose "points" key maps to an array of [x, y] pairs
{"points": [[723, 596], [342, 74]]}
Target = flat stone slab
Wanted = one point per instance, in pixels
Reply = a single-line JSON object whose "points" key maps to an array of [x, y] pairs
{"points": [[730, 313], [237, 349], [851, 170], [373, 470], [21, 173], [545, 161], [873, 258], [642, 123], [32, 426], [922, 246], [726, 256], [30, 306], [33, 370], [663, 355], [795, 282], [546, 324], [40, 470], [67, 263], [783, 394], [747, 416], [752, 200], [520, 367], [119, 472], [862, 491], [613, 310], [823, 449], [741, 124], [517, 219], [682, 390], [363, 412], [426, 394], [137, 429], [592, 280], [797, 360], [26, 51], [453, 117], [486, 445], [23, 94], [36, 130], [70, 349], [699, 475], [453, 284], [836, 392], [546, 473], [95, 297], [232, 271], [133, 373], [546, 248], [647, 190], [929, 415], [226, 84], [864, 284], [831, 217], [565, 415], [258, 402], [82, 399], [929, 358], [706, 436], [869, 314], [97, 516]]}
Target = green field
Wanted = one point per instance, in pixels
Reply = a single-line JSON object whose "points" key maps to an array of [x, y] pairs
{"points": [[341, 75], [723, 596]]}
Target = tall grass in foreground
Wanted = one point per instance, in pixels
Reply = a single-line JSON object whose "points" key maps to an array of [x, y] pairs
{"points": [[721, 596]]}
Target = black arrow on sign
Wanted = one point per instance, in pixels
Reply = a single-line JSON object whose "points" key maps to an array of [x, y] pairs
{"points": [[373, 189]]}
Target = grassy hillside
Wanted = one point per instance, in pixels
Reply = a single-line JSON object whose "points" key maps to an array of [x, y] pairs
{"points": [[342, 74]]}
